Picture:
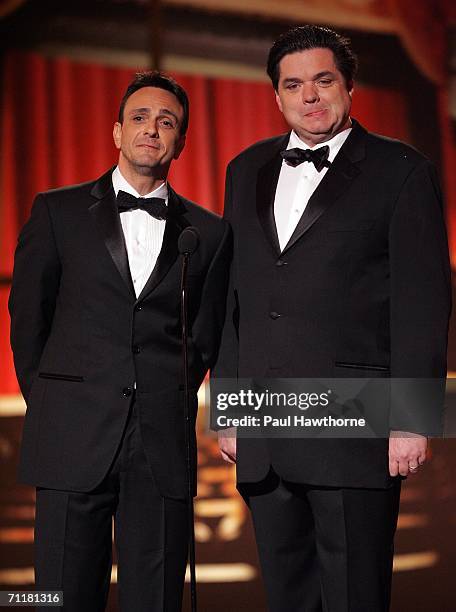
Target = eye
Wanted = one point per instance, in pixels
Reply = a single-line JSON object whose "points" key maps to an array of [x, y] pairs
{"points": [[324, 82], [167, 123], [138, 118], [292, 86]]}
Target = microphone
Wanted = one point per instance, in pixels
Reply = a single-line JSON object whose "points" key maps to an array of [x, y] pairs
{"points": [[188, 241], [187, 244]]}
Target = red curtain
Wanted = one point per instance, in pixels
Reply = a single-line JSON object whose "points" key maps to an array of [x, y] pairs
{"points": [[56, 126]]}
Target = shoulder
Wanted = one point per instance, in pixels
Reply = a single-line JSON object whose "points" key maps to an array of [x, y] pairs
{"points": [[260, 152], [203, 219], [64, 203], [378, 153], [384, 158], [394, 149], [397, 164], [72, 202], [401, 163], [68, 192]]}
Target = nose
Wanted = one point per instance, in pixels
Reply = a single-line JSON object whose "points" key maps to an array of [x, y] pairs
{"points": [[309, 92], [151, 128]]}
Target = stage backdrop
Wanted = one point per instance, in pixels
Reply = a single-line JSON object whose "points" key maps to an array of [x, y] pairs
{"points": [[56, 125]]}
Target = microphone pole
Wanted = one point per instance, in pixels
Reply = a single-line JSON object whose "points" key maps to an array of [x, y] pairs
{"points": [[187, 245]]}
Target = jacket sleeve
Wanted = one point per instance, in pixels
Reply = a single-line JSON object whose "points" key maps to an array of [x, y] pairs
{"points": [[208, 324], [227, 362], [35, 285], [420, 303]]}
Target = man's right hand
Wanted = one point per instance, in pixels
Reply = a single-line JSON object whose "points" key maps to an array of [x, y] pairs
{"points": [[227, 443]]}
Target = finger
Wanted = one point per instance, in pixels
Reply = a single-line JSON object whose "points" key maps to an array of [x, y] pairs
{"points": [[422, 459], [393, 468], [229, 449], [226, 457], [403, 468], [225, 445]]}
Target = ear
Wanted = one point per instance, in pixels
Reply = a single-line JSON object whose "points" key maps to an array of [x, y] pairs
{"points": [[179, 147], [117, 134], [350, 88], [279, 102]]}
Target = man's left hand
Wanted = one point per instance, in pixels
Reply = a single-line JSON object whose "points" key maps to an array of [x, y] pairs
{"points": [[407, 451]]}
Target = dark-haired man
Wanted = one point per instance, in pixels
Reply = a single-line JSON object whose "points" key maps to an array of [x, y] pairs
{"points": [[95, 331], [340, 270]]}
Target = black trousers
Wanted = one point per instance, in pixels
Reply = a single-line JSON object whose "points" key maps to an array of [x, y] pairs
{"points": [[73, 538], [321, 548]]}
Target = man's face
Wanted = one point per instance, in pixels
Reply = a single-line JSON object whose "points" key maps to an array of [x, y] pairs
{"points": [[313, 96], [149, 137]]}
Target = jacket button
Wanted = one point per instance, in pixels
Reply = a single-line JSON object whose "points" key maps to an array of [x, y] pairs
{"points": [[136, 349], [281, 263], [127, 391], [274, 315], [138, 308]]}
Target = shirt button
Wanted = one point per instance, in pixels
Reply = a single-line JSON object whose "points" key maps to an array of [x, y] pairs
{"points": [[127, 391], [136, 349], [274, 315]]}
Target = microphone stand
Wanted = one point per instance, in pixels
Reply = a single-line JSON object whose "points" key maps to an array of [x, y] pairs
{"points": [[188, 431]]}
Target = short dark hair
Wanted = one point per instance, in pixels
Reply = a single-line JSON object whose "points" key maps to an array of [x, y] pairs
{"points": [[155, 78], [312, 37]]}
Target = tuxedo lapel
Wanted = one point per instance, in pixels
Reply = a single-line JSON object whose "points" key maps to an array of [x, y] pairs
{"points": [[169, 252], [336, 181], [107, 219], [267, 179]]}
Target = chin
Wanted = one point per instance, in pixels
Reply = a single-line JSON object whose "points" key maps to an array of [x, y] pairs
{"points": [[317, 126], [144, 167], [146, 160]]}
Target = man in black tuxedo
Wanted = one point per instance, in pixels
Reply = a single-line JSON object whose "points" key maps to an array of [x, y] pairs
{"points": [[340, 269], [96, 336]]}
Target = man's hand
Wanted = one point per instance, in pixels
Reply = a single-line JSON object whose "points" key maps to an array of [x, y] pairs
{"points": [[407, 451], [227, 443]]}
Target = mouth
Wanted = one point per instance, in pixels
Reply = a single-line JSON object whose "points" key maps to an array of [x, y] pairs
{"points": [[155, 147], [317, 113]]}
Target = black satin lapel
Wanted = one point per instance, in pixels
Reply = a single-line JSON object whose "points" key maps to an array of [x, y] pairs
{"points": [[107, 219], [169, 252], [268, 176], [337, 180]]}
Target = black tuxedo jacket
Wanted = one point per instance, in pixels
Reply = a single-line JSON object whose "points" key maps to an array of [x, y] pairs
{"points": [[81, 339], [362, 289]]}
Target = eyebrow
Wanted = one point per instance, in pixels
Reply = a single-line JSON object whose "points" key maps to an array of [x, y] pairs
{"points": [[162, 111], [317, 76], [134, 111], [165, 111]]}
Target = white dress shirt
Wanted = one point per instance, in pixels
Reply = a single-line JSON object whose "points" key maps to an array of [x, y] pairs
{"points": [[143, 233], [297, 184]]}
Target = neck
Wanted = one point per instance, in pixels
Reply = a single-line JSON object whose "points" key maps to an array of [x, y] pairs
{"points": [[143, 183]]}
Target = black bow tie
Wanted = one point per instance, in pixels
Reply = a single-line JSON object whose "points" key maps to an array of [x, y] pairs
{"points": [[154, 206], [319, 157]]}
